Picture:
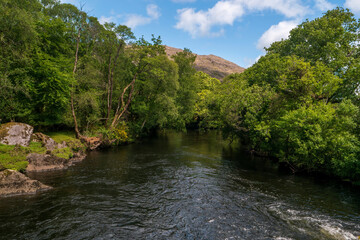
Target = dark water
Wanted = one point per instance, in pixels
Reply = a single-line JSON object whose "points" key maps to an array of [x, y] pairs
{"points": [[181, 186]]}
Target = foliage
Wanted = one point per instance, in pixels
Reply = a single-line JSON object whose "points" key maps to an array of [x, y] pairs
{"points": [[61, 67], [116, 136], [332, 39], [299, 102], [320, 137]]}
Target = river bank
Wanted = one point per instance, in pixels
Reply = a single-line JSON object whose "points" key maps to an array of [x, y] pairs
{"points": [[23, 152]]}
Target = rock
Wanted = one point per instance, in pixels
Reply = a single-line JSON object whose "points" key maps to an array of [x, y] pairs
{"points": [[16, 183], [93, 142], [78, 157], [46, 162], [62, 145], [15, 134], [46, 141]]}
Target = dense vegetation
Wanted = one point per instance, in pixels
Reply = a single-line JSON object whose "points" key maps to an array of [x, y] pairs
{"points": [[300, 102], [61, 68]]}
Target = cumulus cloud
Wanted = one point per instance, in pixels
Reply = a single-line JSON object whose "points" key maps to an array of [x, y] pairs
{"points": [[200, 23], [248, 62], [104, 19], [276, 33], [226, 12], [134, 20], [353, 5], [324, 5], [153, 11]]}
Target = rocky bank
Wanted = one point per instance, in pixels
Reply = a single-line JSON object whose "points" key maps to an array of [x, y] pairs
{"points": [[15, 183], [55, 156]]}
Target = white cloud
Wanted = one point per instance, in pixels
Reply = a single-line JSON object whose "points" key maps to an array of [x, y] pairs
{"points": [[226, 12], [248, 62], [153, 11], [200, 23], [324, 5], [353, 5], [276, 33], [104, 19], [134, 20]]}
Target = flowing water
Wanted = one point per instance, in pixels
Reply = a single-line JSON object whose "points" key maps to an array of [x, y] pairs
{"points": [[181, 186]]}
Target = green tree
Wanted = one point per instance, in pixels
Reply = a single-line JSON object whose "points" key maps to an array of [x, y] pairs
{"points": [[320, 137], [188, 87], [18, 38], [332, 39]]}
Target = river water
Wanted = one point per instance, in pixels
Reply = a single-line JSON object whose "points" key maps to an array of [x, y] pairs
{"points": [[181, 186]]}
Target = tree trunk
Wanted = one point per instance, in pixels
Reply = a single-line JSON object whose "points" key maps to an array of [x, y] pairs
{"points": [[111, 81], [108, 92], [124, 106], [78, 134]]}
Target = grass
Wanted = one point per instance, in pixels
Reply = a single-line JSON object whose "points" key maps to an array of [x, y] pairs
{"points": [[14, 157], [59, 137], [63, 152]]}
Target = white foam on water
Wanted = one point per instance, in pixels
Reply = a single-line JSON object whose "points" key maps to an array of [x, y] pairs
{"points": [[337, 232], [315, 224]]}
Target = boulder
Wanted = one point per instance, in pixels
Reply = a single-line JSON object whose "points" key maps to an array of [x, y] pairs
{"points": [[46, 162], [78, 157], [16, 183], [15, 134], [46, 141]]}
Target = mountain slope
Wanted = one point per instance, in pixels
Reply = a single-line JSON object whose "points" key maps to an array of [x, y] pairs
{"points": [[215, 66]]}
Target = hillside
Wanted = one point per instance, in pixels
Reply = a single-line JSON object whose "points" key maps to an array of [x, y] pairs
{"points": [[215, 66]]}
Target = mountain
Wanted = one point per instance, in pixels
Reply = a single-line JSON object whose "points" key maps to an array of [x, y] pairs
{"points": [[215, 66]]}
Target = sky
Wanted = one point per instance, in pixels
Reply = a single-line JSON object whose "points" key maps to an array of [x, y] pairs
{"points": [[237, 30]]}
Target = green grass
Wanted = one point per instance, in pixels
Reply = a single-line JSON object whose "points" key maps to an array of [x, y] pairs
{"points": [[35, 147], [63, 152], [69, 137], [59, 137], [14, 157]]}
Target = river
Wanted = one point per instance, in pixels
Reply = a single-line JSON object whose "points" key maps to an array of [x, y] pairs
{"points": [[181, 186]]}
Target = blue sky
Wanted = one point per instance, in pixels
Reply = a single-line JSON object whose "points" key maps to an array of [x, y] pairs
{"points": [[236, 30]]}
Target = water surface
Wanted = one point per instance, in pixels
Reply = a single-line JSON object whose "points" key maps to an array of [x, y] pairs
{"points": [[181, 186]]}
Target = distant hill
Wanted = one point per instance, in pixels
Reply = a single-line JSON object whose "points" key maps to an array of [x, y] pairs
{"points": [[215, 66]]}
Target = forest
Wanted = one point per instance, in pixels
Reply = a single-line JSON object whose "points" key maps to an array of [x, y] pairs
{"points": [[299, 103]]}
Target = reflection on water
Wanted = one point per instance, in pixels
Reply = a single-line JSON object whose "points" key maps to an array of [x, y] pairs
{"points": [[181, 186]]}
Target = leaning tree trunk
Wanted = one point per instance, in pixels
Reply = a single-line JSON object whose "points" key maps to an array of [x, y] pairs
{"points": [[123, 106], [78, 134], [111, 82]]}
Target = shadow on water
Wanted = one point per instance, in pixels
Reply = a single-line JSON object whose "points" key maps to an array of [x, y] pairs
{"points": [[181, 186]]}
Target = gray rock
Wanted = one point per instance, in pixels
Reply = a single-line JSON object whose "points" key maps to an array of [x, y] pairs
{"points": [[46, 141], [15, 134], [46, 162], [16, 183], [62, 145]]}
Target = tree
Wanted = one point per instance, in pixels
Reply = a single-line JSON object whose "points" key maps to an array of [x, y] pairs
{"points": [[18, 38], [333, 40], [188, 86], [141, 54], [320, 137]]}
